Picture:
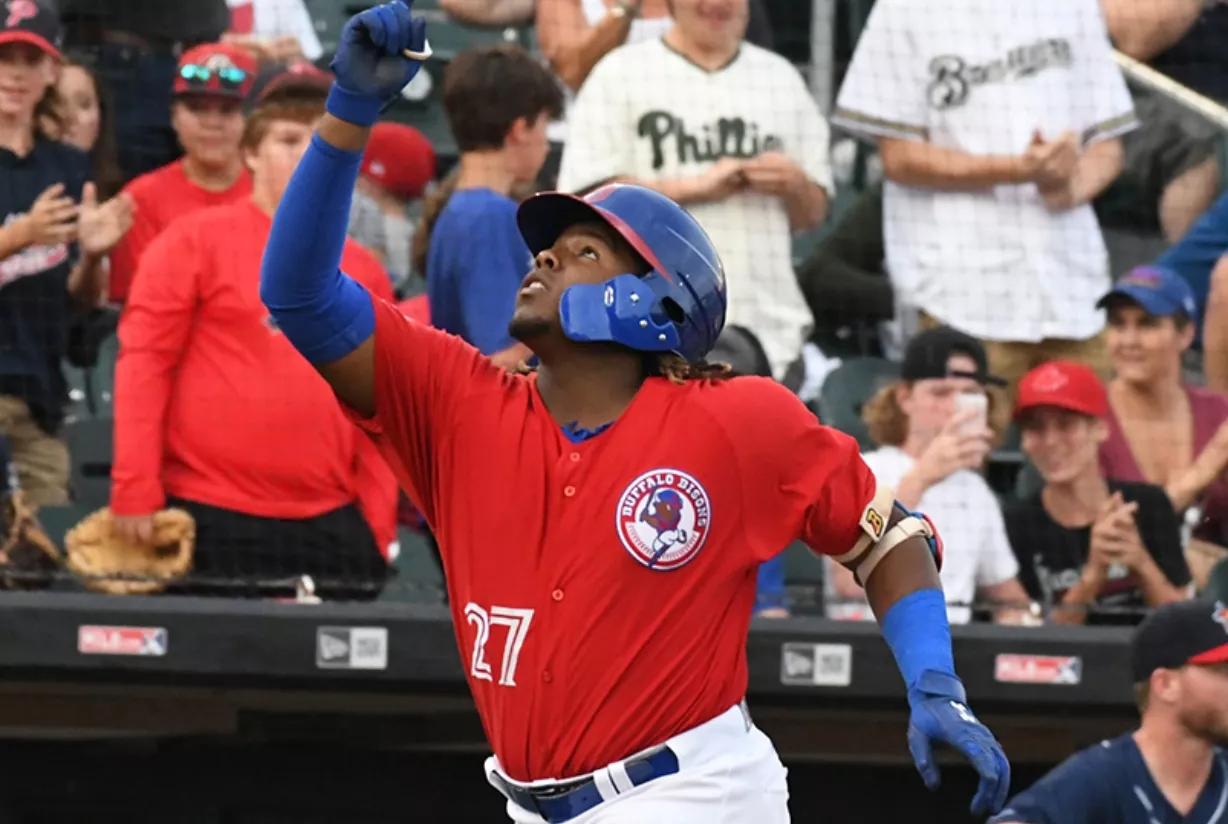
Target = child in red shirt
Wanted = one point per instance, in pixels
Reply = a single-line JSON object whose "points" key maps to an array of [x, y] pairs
{"points": [[212, 82], [217, 414]]}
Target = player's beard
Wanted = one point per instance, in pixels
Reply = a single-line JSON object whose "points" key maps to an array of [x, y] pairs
{"points": [[1207, 722]]}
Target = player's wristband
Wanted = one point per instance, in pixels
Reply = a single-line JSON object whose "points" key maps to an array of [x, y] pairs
{"points": [[917, 631], [352, 107]]}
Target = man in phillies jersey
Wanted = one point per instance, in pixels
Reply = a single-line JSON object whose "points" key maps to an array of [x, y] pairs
{"points": [[601, 520]]}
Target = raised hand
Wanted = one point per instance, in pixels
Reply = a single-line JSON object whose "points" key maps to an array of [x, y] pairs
{"points": [[380, 51]]}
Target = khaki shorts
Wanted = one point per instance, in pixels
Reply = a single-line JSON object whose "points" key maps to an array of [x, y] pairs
{"points": [[41, 459]]}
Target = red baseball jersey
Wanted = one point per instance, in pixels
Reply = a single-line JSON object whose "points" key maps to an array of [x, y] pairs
{"points": [[161, 197], [601, 591], [214, 405]]}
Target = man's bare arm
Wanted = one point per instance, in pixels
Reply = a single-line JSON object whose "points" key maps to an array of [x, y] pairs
{"points": [[1145, 28], [924, 165], [490, 12]]}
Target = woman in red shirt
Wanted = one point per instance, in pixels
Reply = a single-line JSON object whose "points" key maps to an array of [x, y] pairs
{"points": [[217, 414]]}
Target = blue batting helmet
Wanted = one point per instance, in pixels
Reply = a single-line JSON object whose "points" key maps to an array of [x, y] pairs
{"points": [[679, 306]]}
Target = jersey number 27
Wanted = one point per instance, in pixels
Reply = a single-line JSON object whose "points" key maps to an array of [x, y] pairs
{"points": [[517, 623]]}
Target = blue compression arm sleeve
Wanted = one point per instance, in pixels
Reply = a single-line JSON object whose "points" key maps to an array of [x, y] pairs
{"points": [[319, 309], [919, 636]]}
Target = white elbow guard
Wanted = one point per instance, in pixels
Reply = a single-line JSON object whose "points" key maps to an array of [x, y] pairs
{"points": [[877, 540]]}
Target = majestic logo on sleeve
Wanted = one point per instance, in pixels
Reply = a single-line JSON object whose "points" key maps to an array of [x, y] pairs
{"points": [[952, 77], [663, 518], [32, 260]]}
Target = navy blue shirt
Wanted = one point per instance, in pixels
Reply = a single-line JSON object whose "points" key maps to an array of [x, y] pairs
{"points": [[8, 470], [1110, 784], [35, 309], [1199, 59], [474, 267]]}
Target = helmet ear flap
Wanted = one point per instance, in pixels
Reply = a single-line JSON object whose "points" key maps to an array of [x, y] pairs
{"points": [[623, 310]]}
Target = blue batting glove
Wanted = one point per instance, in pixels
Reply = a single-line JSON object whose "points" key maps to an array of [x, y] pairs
{"points": [[940, 713], [370, 65]]}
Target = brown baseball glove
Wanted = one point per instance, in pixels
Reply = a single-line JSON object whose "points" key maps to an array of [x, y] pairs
{"points": [[28, 558], [107, 563]]}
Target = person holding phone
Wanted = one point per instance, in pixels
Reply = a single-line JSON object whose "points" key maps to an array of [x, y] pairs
{"points": [[934, 435], [1093, 550]]}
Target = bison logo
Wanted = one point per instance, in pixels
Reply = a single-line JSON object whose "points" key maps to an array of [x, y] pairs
{"points": [[663, 518]]}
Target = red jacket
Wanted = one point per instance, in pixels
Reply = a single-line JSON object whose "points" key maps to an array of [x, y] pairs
{"points": [[214, 405]]}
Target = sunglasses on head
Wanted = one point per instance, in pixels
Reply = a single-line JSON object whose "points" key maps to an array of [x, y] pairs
{"points": [[228, 76]]}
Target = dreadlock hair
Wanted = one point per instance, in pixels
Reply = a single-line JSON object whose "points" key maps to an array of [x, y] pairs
{"points": [[676, 370], [669, 366]]}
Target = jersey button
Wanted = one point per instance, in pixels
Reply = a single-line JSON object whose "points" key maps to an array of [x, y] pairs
{"points": [[546, 677], [569, 491], [575, 457], [557, 595]]}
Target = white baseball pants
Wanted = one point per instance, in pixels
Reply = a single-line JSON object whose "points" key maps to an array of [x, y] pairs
{"points": [[728, 773]]}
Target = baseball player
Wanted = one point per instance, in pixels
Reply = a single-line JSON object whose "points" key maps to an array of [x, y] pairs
{"points": [[608, 666], [1172, 769]]}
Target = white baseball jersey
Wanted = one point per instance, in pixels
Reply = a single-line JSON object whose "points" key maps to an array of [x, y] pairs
{"points": [[648, 113], [983, 76], [976, 550]]}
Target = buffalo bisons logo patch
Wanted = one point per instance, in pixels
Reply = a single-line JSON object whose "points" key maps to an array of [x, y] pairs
{"points": [[663, 518]]}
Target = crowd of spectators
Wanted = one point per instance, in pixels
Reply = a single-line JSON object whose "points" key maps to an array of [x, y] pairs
{"points": [[1041, 266]]}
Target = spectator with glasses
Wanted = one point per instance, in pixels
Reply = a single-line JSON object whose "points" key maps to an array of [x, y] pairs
{"points": [[135, 45], [216, 413], [54, 236], [207, 113]]}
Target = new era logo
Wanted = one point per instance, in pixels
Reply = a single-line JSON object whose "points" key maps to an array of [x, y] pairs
{"points": [[362, 648], [816, 665]]}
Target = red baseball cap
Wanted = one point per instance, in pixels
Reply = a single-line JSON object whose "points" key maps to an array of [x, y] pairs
{"points": [[399, 159], [216, 69], [291, 78], [1065, 385], [36, 22]]}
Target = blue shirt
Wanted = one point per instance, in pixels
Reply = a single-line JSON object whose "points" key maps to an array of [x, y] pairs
{"points": [[35, 308], [474, 268], [1109, 783], [1195, 255]]}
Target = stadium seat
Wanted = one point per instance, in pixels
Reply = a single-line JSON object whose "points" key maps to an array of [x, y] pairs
{"points": [[1028, 482], [417, 577], [804, 580], [1217, 582], [89, 449], [57, 520], [848, 388]]}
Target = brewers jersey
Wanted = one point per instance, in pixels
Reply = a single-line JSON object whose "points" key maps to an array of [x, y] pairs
{"points": [[982, 77]]}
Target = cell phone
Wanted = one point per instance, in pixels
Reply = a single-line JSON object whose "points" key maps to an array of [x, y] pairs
{"points": [[973, 400]]}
